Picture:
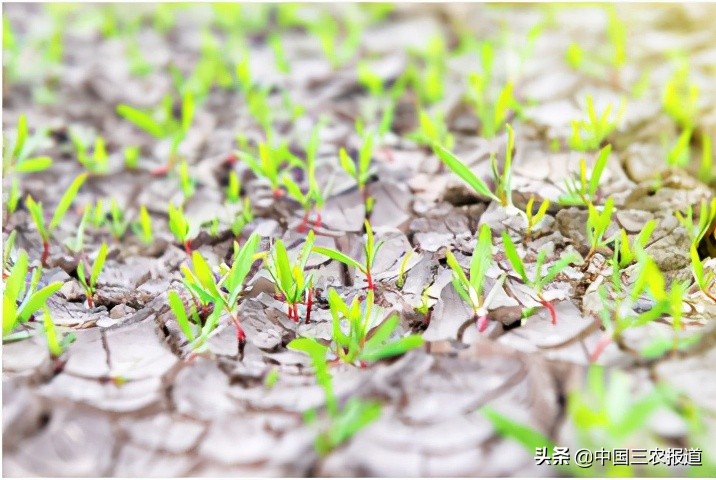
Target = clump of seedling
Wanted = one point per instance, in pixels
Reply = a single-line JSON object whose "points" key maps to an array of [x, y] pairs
{"points": [[313, 199], [117, 222], [44, 229], [366, 338], [492, 113], [597, 226], [589, 134], [680, 98], [57, 346], [539, 280], [471, 288], [370, 250], [180, 227], [212, 297], [625, 252], [534, 219], [269, 163], [243, 218], [97, 161], [699, 233], [22, 300], [143, 226], [503, 180], [291, 279], [163, 124], [360, 170], [17, 158], [584, 189], [343, 421], [90, 283]]}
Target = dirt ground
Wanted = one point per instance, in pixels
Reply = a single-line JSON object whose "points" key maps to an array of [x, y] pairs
{"points": [[128, 398]]}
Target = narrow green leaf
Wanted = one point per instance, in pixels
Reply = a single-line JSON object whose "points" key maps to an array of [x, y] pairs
{"points": [[392, 349], [141, 120], [528, 437], [177, 306], [37, 300], [67, 200], [35, 164], [463, 172], [98, 265], [514, 257], [338, 256]]}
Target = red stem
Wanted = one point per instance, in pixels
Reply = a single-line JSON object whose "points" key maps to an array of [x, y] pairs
{"points": [[161, 170], [90, 302], [240, 334], [304, 223], [602, 344], [317, 221], [45, 252], [187, 247], [550, 307], [369, 278], [482, 323]]}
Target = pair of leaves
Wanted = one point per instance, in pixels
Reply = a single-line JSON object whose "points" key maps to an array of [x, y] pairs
{"points": [[22, 149], [91, 284], [361, 170], [583, 190], [16, 292], [37, 213], [290, 278], [471, 289], [598, 222]]}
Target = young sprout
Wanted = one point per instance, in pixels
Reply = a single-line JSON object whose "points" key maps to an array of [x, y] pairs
{"points": [[45, 230], [118, 224], [291, 279], [21, 301], [55, 345], [180, 227], [90, 283], [344, 422], [534, 219], [268, 164], [707, 216], [540, 280], [96, 162], [492, 113], [167, 128], [17, 153], [143, 226], [627, 253], [360, 170], [370, 250], [313, 199], [222, 295], [131, 157], [432, 130], [588, 135], [597, 225], [583, 190], [76, 244], [279, 54], [186, 182], [233, 189], [679, 155], [471, 288], [242, 219], [7, 251], [503, 180], [704, 280], [403, 266], [680, 98]]}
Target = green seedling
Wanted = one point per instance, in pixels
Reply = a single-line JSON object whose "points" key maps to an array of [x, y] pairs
{"points": [[76, 244], [212, 297], [98, 216], [627, 253], [279, 54], [131, 157], [138, 64], [338, 49], [584, 189], [706, 166], [680, 98], [90, 283], [269, 164], [290, 278], [679, 155], [117, 223], [180, 227], [98, 161], [186, 182], [432, 130], [707, 216], [534, 219], [17, 152], [143, 226], [343, 422], [574, 56], [313, 199], [503, 180], [233, 188], [597, 225], [20, 300], [370, 80], [588, 135], [242, 219], [704, 280], [360, 170], [403, 266], [425, 73], [163, 125], [471, 288], [45, 230], [55, 345], [539, 280], [370, 250], [6, 253]]}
